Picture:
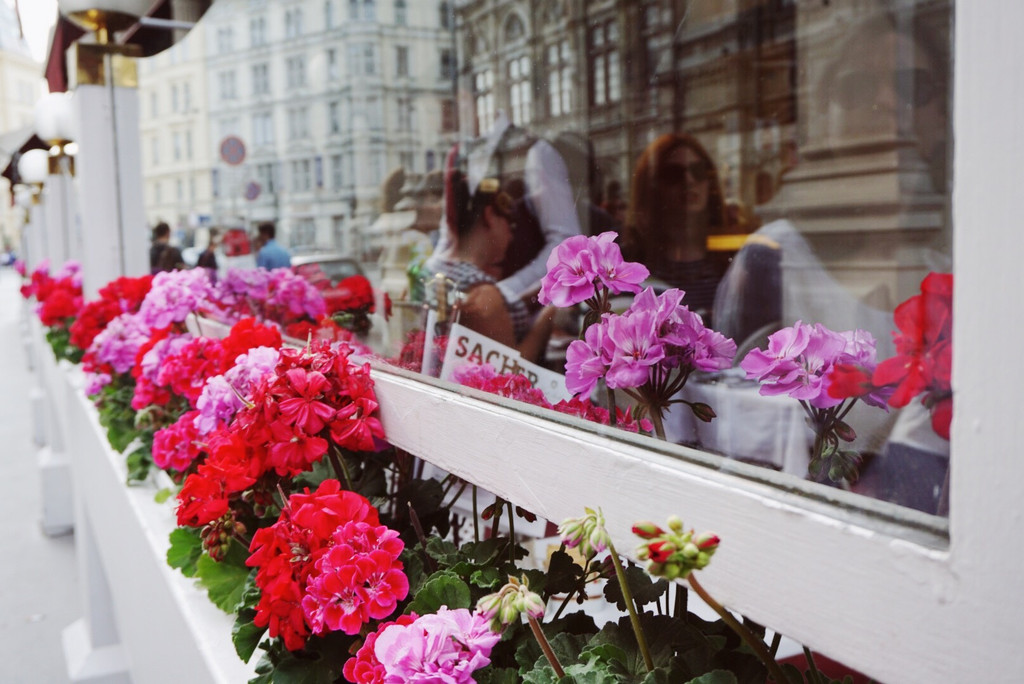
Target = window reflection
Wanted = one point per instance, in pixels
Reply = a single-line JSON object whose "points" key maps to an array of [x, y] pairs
{"points": [[785, 162], [779, 161]]}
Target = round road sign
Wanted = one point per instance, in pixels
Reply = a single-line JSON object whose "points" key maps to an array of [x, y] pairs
{"points": [[232, 150]]}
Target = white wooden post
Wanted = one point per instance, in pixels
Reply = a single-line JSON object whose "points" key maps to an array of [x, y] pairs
{"points": [[108, 179]]}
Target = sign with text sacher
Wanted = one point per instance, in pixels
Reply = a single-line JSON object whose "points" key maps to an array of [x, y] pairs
{"points": [[466, 347]]}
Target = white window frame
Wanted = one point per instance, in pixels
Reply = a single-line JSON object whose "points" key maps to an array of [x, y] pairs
{"points": [[912, 601]]}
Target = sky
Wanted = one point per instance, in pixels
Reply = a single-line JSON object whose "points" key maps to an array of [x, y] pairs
{"points": [[37, 17]]}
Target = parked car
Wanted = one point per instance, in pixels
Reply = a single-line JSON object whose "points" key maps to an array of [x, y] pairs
{"points": [[339, 278]]}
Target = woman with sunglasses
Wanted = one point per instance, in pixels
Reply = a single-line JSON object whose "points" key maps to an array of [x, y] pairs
{"points": [[482, 222], [676, 201]]}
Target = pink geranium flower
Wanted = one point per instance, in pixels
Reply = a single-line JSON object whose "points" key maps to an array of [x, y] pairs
{"points": [[447, 646], [578, 264]]}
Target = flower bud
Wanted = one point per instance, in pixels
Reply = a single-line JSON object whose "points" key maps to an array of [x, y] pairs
{"points": [[690, 550], [533, 605], [675, 524], [661, 550], [647, 530], [703, 412], [707, 541]]}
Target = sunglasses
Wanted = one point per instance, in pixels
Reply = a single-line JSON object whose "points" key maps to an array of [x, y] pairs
{"points": [[676, 174], [860, 89]]}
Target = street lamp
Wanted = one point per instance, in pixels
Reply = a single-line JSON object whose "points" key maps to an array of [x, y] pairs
{"points": [[104, 16], [56, 125], [33, 168]]}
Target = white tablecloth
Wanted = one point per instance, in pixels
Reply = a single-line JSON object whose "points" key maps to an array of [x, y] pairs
{"points": [[770, 431]]}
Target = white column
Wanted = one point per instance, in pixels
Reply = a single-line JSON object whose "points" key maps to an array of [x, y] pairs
{"points": [[58, 203], [108, 178]]}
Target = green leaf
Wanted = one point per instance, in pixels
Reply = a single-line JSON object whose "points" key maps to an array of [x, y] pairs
{"points": [[441, 589], [715, 677], [497, 675], [565, 576], [186, 548], [244, 634], [246, 637], [163, 495], [645, 590], [224, 581]]}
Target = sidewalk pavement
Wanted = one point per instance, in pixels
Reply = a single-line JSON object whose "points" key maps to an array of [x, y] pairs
{"points": [[38, 575]]}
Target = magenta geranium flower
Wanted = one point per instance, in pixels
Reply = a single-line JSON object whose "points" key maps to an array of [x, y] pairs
{"points": [[580, 263], [587, 360], [636, 347]]}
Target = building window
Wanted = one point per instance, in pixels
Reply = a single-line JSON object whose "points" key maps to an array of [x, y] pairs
{"points": [[444, 17], [302, 175], [186, 91], [401, 60], [298, 123], [605, 70], [154, 150], [333, 118], [303, 232], [447, 64], [225, 40], [559, 79], [295, 71], [258, 31], [405, 114], [263, 128], [362, 59], [337, 173], [519, 90], [353, 10], [188, 145], [261, 79], [226, 84], [401, 17], [293, 22], [331, 57], [483, 97], [449, 118], [176, 145], [369, 10], [265, 176], [154, 100], [429, 161], [407, 160], [328, 14]]}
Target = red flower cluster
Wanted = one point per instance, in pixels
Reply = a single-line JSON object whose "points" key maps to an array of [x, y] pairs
{"points": [[517, 386], [231, 467], [924, 351], [317, 394], [356, 580], [123, 295], [247, 334], [287, 554], [363, 667], [351, 294], [924, 347], [58, 298]]}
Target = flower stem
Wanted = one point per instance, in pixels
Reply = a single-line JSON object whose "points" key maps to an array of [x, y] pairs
{"points": [[476, 519], [511, 533], [339, 467], [659, 427], [612, 418], [538, 634], [815, 674], [634, 619], [752, 641]]}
